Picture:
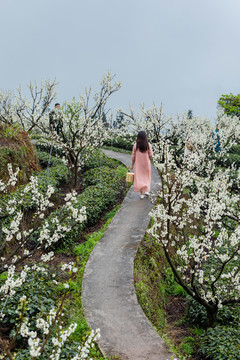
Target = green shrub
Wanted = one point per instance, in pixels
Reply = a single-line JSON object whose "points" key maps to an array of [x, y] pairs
{"points": [[189, 345], [232, 158], [121, 143], [221, 343], [197, 314], [54, 176], [235, 149], [97, 199], [98, 158], [46, 159], [41, 296], [103, 186], [99, 174], [49, 148]]}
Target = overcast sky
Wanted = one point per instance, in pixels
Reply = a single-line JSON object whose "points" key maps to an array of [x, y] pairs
{"points": [[183, 53]]}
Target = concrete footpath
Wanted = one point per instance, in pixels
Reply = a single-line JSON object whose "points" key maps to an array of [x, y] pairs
{"points": [[108, 294]]}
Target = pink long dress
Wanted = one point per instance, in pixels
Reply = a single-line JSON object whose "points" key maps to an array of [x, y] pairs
{"points": [[142, 172]]}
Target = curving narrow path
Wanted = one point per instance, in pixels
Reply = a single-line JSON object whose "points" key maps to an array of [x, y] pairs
{"points": [[108, 294]]}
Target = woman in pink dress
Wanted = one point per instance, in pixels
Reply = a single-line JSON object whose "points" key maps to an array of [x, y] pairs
{"points": [[141, 155]]}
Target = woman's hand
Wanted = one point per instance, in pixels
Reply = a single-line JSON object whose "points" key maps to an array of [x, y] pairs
{"points": [[131, 167]]}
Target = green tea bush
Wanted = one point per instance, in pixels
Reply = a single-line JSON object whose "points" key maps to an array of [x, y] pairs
{"points": [[197, 314], [45, 158], [102, 186], [232, 158], [101, 194], [121, 143], [44, 147], [98, 158], [97, 199], [235, 149], [221, 343], [41, 296], [97, 175], [54, 176]]}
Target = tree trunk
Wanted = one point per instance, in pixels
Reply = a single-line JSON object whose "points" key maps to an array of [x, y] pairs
{"points": [[75, 174], [211, 316]]}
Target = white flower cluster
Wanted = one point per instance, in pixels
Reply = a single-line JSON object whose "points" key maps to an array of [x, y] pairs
{"points": [[193, 218], [83, 351], [12, 179], [51, 230], [70, 266], [13, 229], [33, 340], [50, 233], [59, 341], [40, 201], [36, 343], [12, 281]]}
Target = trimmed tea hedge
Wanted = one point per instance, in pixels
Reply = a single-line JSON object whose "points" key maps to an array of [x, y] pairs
{"points": [[98, 158], [221, 343], [97, 198], [46, 159], [121, 143]]}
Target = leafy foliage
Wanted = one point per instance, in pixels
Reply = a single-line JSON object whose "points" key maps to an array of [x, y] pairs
{"points": [[98, 158], [221, 343], [120, 142], [46, 159], [40, 292], [230, 104]]}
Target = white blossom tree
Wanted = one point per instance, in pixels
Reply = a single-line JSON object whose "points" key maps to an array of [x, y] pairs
{"points": [[29, 112], [152, 120], [197, 219], [83, 127]]}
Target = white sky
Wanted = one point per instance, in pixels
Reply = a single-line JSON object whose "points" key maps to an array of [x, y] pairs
{"points": [[183, 53]]}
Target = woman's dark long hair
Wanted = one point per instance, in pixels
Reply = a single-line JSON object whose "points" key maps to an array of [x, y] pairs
{"points": [[142, 142]]}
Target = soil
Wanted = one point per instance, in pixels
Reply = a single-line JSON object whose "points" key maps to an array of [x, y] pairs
{"points": [[177, 329], [174, 310]]}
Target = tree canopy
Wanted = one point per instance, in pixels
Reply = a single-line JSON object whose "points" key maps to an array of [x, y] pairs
{"points": [[230, 104]]}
